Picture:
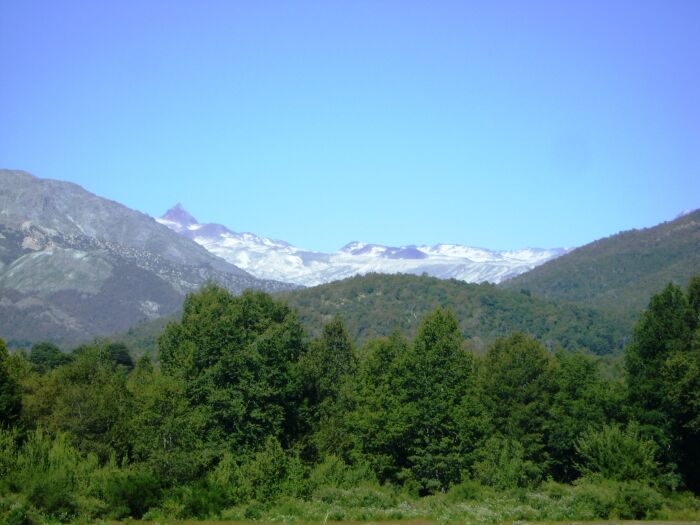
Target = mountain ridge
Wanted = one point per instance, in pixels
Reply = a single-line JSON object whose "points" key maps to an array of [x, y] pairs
{"points": [[279, 260], [620, 272], [74, 265]]}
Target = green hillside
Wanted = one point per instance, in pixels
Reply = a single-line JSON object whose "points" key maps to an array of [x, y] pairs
{"points": [[621, 272], [376, 304]]}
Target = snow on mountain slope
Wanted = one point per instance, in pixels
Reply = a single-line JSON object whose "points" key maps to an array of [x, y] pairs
{"points": [[272, 259]]}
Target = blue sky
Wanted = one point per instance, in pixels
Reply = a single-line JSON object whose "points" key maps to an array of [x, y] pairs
{"points": [[489, 123]]}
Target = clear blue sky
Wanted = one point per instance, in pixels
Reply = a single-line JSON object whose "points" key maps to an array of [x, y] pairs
{"points": [[489, 123]]}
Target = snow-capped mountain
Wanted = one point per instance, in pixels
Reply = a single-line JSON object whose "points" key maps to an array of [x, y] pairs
{"points": [[273, 259]]}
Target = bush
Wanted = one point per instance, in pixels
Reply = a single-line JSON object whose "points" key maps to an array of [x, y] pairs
{"points": [[254, 510], [468, 490], [364, 496], [196, 500], [228, 480], [16, 510], [502, 465], [273, 473], [635, 500], [8, 454], [334, 472], [593, 500], [617, 454], [51, 474], [128, 492], [605, 499]]}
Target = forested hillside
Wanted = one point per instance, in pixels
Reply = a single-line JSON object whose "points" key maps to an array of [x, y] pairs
{"points": [[377, 305], [620, 272], [245, 418]]}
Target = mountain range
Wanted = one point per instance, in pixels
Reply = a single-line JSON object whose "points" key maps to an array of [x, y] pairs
{"points": [[74, 265], [268, 258]]}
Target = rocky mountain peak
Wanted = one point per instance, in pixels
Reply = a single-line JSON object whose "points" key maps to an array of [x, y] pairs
{"points": [[179, 215]]}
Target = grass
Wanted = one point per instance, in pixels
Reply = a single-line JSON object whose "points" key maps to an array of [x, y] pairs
{"points": [[405, 522]]}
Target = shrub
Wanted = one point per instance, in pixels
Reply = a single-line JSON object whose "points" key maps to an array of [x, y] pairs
{"points": [[605, 499], [16, 510], [8, 454], [635, 500], [368, 495], [51, 474], [128, 492], [334, 472], [616, 454], [467, 490], [593, 500], [502, 464], [273, 473], [229, 481]]}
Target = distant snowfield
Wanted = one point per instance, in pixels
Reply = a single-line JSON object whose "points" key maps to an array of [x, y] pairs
{"points": [[272, 259]]}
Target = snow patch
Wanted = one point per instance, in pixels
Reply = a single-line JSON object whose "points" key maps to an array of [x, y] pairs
{"points": [[267, 258]]}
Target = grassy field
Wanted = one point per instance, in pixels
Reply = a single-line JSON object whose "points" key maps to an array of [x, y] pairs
{"points": [[552, 504], [411, 522]]}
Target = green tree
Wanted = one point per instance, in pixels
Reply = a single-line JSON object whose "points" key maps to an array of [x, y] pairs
{"points": [[165, 432], [328, 361], [518, 384], [10, 391], [581, 400], [120, 356], [325, 368], [501, 464], [86, 399], [663, 376], [379, 423], [238, 360], [694, 299], [47, 356], [617, 454], [442, 377]]}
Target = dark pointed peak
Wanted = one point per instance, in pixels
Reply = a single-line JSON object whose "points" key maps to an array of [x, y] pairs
{"points": [[179, 215]]}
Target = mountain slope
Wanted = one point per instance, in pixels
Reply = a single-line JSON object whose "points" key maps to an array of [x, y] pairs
{"points": [[274, 259], [70, 210], [74, 265], [620, 272], [376, 305]]}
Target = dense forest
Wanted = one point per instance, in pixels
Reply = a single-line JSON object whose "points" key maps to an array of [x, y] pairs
{"points": [[243, 416], [619, 273], [376, 305]]}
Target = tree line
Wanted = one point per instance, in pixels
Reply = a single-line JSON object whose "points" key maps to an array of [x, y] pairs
{"points": [[242, 413]]}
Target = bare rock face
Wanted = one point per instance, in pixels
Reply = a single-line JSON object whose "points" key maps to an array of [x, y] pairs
{"points": [[74, 265]]}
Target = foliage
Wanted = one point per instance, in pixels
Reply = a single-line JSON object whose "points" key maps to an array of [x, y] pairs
{"points": [[46, 356], [621, 272], [236, 358], [501, 464], [663, 369], [10, 394], [246, 418], [582, 399], [517, 385], [376, 305], [87, 399], [617, 454], [443, 378], [325, 367]]}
